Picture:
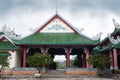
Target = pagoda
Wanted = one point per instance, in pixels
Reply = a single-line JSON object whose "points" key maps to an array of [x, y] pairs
{"points": [[111, 47], [55, 37]]}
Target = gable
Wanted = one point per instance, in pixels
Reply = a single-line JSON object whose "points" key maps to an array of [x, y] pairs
{"points": [[5, 38], [6, 43], [56, 25]]}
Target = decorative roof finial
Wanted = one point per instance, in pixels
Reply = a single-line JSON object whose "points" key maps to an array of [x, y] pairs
{"points": [[56, 9], [98, 36], [113, 40], [116, 24]]}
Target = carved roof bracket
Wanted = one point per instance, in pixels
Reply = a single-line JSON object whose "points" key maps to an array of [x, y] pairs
{"points": [[113, 40], [116, 24]]}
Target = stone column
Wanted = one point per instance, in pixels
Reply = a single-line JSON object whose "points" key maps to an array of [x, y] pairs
{"points": [[67, 57], [24, 56], [111, 57], [115, 59], [87, 57]]}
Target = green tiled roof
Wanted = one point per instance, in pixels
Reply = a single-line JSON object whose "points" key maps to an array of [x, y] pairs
{"points": [[114, 32], [1, 33], [56, 38], [116, 45], [5, 45], [4, 54]]}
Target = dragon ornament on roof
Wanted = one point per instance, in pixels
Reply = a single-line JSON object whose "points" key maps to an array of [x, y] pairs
{"points": [[116, 24], [97, 37], [113, 40], [7, 31]]}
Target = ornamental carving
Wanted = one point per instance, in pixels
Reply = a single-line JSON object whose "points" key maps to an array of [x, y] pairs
{"points": [[116, 24], [113, 40], [56, 27], [97, 37], [7, 31]]}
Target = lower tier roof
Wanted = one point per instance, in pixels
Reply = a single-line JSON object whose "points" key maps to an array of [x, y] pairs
{"points": [[56, 38]]}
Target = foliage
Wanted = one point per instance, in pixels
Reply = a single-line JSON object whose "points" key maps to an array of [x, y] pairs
{"points": [[39, 60], [75, 62], [57, 64], [101, 62], [3, 63]]}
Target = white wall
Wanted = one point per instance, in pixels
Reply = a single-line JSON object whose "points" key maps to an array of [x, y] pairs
{"points": [[15, 58], [12, 59]]}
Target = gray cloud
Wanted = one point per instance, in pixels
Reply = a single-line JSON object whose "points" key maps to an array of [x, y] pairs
{"points": [[74, 6], [19, 13], [96, 5], [112, 5]]}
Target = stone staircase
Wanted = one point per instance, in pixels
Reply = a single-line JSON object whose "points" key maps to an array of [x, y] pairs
{"points": [[61, 73]]}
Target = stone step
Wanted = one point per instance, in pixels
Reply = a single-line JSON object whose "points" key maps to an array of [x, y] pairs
{"points": [[56, 72]]}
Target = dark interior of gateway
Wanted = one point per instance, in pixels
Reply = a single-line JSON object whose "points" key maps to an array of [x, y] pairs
{"points": [[118, 61], [79, 52]]}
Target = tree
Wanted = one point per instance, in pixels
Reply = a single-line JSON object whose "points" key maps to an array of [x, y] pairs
{"points": [[101, 62], [39, 60], [75, 62], [3, 63]]}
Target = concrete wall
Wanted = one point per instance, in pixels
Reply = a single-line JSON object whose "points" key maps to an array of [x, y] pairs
{"points": [[12, 59], [80, 72], [19, 55], [15, 58], [19, 72]]}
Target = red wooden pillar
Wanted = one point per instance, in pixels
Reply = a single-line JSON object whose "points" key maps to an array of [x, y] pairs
{"points": [[68, 58], [115, 59], [24, 56], [87, 57], [111, 57]]}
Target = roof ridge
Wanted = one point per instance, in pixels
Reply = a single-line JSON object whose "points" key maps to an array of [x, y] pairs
{"points": [[56, 16], [8, 38]]}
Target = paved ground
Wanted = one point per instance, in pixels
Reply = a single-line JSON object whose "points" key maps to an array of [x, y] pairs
{"points": [[60, 79], [56, 78], [55, 75]]}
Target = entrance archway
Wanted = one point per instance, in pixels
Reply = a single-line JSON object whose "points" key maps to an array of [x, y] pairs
{"points": [[56, 52], [62, 51]]}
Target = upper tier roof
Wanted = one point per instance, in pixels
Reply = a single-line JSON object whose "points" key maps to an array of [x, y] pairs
{"points": [[56, 24], [56, 31], [6, 43]]}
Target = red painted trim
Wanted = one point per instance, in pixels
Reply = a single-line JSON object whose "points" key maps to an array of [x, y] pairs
{"points": [[3, 38], [24, 56], [63, 45], [45, 24], [56, 16], [68, 25]]}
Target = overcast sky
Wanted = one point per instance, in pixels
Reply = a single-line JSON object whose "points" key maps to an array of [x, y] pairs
{"points": [[93, 15]]}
